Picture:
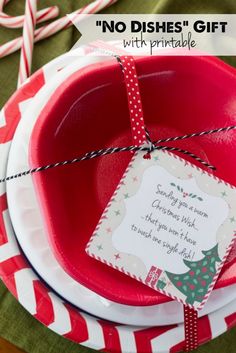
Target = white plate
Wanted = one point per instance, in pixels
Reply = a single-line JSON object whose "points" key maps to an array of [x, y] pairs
{"points": [[28, 224]]}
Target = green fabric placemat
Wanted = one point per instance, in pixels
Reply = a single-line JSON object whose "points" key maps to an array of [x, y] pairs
{"points": [[16, 324]]}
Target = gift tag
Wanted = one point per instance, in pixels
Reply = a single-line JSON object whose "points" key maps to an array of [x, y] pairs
{"points": [[169, 225]]}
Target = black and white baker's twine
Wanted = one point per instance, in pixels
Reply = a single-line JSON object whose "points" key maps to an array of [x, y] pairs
{"points": [[153, 145]]}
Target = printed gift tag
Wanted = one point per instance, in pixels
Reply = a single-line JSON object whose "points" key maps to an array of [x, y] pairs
{"points": [[169, 225]]}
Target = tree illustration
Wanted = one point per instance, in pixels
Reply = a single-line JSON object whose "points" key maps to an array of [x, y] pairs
{"points": [[195, 283]]}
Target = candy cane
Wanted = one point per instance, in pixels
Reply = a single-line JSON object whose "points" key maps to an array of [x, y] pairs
{"points": [[56, 26], [28, 41], [18, 21]]}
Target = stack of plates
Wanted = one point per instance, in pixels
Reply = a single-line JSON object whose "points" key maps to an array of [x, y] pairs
{"points": [[73, 105]]}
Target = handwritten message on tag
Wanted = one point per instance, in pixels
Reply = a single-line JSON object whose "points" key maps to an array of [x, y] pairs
{"points": [[170, 225]]}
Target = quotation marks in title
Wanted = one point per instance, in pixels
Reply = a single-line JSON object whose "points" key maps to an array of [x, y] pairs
{"points": [[198, 26]]}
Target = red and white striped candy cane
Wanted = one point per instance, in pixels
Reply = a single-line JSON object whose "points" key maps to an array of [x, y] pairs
{"points": [[18, 21], [28, 41], [65, 22], [54, 27]]}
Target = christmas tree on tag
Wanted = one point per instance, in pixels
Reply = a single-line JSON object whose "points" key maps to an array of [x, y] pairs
{"points": [[194, 284]]}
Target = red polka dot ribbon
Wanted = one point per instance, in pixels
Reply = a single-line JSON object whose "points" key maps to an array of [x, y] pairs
{"points": [[134, 100], [190, 328], [127, 64], [139, 138]]}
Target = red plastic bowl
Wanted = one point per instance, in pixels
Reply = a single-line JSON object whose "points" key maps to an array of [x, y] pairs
{"points": [[89, 111]]}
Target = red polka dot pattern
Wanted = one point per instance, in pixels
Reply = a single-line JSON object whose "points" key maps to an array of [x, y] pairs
{"points": [[191, 328], [134, 100]]}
